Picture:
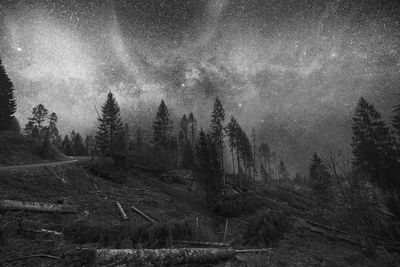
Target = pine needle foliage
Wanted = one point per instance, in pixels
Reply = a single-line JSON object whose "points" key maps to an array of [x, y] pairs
{"points": [[110, 125], [8, 105]]}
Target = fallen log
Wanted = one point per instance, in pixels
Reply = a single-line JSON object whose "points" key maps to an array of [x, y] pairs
{"points": [[155, 257], [202, 244], [6, 204], [141, 213], [55, 174], [121, 211], [240, 221]]}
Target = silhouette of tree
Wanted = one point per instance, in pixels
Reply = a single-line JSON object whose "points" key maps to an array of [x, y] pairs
{"points": [[162, 126], [8, 105], [67, 146], [373, 147], [217, 128], [208, 165], [320, 179], [110, 125]]}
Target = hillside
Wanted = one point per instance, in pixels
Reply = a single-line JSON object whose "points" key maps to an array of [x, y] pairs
{"points": [[98, 223], [15, 149]]}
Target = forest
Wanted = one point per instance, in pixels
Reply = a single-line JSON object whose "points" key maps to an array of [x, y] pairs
{"points": [[227, 173]]}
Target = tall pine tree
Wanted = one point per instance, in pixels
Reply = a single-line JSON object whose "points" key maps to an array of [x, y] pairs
{"points": [[8, 105], [373, 147], [208, 165], [110, 125], [162, 126], [320, 179], [217, 129]]}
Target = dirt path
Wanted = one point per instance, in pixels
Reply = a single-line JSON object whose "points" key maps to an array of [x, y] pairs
{"points": [[37, 165]]}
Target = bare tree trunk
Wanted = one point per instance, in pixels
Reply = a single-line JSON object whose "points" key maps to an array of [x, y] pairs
{"points": [[154, 257], [36, 206]]}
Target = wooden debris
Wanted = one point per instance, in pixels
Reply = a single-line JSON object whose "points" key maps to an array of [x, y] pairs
{"points": [[141, 213], [240, 221], [30, 257], [226, 229], [55, 174], [121, 211], [202, 244], [157, 257], [6, 204]]}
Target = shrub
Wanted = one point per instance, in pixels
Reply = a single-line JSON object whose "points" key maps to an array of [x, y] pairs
{"points": [[236, 205], [267, 228]]}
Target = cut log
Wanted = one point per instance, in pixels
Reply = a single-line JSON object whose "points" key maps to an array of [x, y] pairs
{"points": [[121, 211], [240, 221], [155, 257], [141, 213], [55, 174], [6, 204], [202, 244]]}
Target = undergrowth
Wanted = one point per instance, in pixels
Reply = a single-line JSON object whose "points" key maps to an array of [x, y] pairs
{"points": [[267, 228], [236, 205], [127, 235]]}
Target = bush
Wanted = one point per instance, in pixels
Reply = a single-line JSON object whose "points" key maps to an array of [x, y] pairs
{"points": [[236, 205], [267, 228]]}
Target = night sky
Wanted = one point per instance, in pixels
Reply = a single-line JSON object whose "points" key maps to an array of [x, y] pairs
{"points": [[293, 70]]}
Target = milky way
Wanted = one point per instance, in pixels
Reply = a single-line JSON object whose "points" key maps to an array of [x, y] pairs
{"points": [[293, 70]]}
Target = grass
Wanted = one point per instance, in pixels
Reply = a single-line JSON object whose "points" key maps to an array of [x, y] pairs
{"points": [[127, 235]]}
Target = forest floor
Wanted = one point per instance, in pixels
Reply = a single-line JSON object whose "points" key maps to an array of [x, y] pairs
{"points": [[96, 200]]}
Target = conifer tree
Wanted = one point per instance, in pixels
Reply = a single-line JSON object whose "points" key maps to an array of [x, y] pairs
{"points": [[284, 175], [217, 128], [110, 125], [208, 166], [396, 119], [8, 105], [54, 136], [320, 179], [162, 126], [267, 154], [373, 147], [67, 146], [139, 140], [184, 123], [79, 148], [192, 124]]}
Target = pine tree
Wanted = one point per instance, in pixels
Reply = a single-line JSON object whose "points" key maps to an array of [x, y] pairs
{"points": [[54, 136], [78, 147], [396, 119], [184, 123], [67, 146], [110, 125], [373, 147], [162, 126], [208, 166], [192, 124], [8, 105], [139, 140], [234, 132], [217, 128], [320, 179], [39, 113], [283, 172], [267, 154]]}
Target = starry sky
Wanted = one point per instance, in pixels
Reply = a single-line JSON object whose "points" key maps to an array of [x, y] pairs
{"points": [[294, 70]]}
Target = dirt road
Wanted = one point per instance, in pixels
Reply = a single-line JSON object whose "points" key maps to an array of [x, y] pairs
{"points": [[37, 165]]}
